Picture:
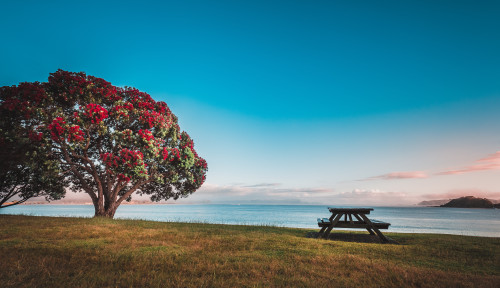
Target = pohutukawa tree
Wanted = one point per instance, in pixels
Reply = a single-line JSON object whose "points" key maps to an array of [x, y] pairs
{"points": [[109, 142]]}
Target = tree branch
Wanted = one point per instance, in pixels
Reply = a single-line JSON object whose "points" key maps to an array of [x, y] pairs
{"points": [[132, 190], [15, 203], [9, 195], [100, 192], [78, 175]]}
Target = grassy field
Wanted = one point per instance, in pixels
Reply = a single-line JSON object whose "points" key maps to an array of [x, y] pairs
{"points": [[86, 252]]}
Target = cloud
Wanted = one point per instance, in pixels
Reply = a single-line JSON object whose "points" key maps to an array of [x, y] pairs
{"points": [[269, 194], [229, 190], [491, 162], [495, 157], [256, 193], [374, 197], [398, 175], [356, 193], [463, 192], [263, 185], [260, 193]]}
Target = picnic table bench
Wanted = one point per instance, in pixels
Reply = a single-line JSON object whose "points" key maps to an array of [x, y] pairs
{"points": [[353, 218]]}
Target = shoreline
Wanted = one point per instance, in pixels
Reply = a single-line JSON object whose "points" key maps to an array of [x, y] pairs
{"points": [[249, 225]]}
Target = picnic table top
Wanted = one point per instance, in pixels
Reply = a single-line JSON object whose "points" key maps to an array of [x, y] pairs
{"points": [[350, 210]]}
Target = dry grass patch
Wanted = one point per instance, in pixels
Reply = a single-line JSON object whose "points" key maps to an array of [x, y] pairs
{"points": [[79, 252]]}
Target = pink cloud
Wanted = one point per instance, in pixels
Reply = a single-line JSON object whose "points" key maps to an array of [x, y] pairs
{"points": [[495, 157], [398, 175], [368, 193], [258, 193], [463, 192], [491, 162], [372, 197]]}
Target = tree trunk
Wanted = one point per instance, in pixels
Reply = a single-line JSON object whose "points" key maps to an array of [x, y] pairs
{"points": [[107, 210]]}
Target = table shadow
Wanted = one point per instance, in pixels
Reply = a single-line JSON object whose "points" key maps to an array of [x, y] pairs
{"points": [[352, 237]]}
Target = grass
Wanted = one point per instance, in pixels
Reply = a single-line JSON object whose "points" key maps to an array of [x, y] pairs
{"points": [[87, 252]]}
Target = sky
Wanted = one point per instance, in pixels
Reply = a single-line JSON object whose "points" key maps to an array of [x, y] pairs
{"points": [[377, 103]]}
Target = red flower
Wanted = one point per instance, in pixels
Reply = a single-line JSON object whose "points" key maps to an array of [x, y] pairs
{"points": [[56, 129], [165, 153], [146, 135], [75, 134], [37, 137], [96, 113]]}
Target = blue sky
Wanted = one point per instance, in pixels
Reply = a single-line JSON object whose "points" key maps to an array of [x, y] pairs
{"points": [[327, 102]]}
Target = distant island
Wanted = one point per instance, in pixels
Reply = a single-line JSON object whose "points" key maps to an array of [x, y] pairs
{"points": [[471, 202], [463, 202]]}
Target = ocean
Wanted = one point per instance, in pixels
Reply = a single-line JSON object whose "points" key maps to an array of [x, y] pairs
{"points": [[457, 221]]}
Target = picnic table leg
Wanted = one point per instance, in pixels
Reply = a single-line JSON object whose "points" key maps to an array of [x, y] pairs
{"points": [[382, 237], [361, 220], [357, 217], [332, 224], [332, 217], [322, 230]]}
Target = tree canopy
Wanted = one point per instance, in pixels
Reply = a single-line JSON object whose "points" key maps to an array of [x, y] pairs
{"points": [[109, 142], [26, 171]]}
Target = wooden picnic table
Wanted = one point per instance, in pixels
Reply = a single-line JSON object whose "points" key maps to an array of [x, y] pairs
{"points": [[353, 218]]}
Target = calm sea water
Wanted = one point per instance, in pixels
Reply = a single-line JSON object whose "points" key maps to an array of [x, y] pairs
{"points": [[474, 222]]}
